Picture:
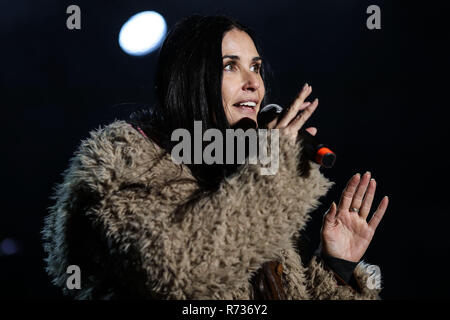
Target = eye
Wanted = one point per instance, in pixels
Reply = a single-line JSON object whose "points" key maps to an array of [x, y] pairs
{"points": [[256, 67], [229, 66]]}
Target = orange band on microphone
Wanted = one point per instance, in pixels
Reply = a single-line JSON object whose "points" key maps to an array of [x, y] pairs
{"points": [[321, 153]]}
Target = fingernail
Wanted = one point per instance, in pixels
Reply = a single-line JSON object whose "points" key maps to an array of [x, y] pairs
{"points": [[306, 84], [368, 173], [357, 175]]}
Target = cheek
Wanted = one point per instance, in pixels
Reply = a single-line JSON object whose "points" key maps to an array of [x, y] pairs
{"points": [[262, 89], [227, 90], [226, 96]]}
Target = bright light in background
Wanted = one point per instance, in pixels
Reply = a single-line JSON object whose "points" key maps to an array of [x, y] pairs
{"points": [[142, 33]]}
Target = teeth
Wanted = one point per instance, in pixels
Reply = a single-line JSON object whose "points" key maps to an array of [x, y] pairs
{"points": [[249, 103]]}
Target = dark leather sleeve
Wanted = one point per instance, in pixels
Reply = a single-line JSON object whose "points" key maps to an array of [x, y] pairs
{"points": [[267, 283], [343, 268]]}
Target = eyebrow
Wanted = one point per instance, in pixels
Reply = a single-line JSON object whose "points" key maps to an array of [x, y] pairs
{"points": [[233, 57]]}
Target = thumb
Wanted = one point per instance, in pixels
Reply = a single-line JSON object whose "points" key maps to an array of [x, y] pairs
{"points": [[312, 130], [330, 215]]}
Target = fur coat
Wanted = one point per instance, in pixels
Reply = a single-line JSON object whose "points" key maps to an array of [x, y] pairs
{"points": [[137, 226]]}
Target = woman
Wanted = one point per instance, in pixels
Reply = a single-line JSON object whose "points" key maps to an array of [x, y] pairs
{"points": [[139, 225]]}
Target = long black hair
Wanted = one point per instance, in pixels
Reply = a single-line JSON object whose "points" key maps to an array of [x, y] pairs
{"points": [[188, 87]]}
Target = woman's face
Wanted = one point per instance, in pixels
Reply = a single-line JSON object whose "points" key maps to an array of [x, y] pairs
{"points": [[242, 85]]}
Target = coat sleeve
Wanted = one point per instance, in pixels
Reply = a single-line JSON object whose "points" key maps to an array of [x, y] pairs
{"points": [[323, 283], [192, 245]]}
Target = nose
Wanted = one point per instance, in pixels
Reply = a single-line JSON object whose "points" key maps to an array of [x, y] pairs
{"points": [[251, 82]]}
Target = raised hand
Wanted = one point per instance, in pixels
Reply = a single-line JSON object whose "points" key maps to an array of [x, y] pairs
{"points": [[345, 232], [299, 111]]}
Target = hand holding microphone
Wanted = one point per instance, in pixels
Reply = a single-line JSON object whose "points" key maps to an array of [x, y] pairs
{"points": [[290, 122]]}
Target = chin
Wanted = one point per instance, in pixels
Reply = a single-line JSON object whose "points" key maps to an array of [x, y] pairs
{"points": [[245, 122]]}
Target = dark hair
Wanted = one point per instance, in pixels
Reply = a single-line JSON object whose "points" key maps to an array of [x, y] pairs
{"points": [[188, 87]]}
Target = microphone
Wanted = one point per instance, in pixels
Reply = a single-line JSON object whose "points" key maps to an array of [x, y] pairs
{"points": [[314, 150]]}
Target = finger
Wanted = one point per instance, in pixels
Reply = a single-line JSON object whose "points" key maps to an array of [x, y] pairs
{"points": [[295, 106], [360, 191], [272, 123], [300, 120], [349, 191], [312, 130], [378, 215], [304, 105], [368, 199], [330, 216]]}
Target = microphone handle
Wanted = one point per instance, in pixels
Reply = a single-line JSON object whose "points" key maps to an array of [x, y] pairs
{"points": [[315, 151]]}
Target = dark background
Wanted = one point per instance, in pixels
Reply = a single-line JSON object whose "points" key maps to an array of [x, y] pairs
{"points": [[382, 109]]}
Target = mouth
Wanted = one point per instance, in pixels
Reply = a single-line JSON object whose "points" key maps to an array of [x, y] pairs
{"points": [[247, 106]]}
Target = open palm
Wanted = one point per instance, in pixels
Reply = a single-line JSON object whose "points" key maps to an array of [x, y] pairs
{"points": [[345, 232]]}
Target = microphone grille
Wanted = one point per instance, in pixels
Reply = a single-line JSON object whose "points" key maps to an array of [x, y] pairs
{"points": [[268, 113], [269, 107]]}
